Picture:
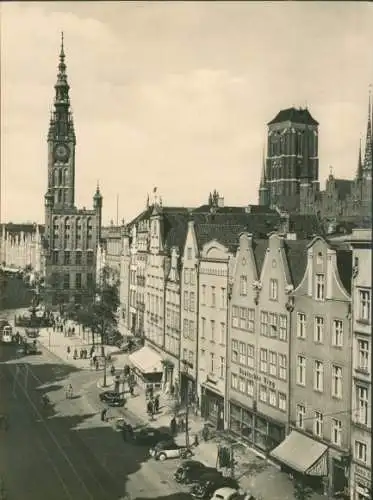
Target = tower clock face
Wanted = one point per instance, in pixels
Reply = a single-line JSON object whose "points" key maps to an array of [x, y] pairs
{"points": [[61, 152]]}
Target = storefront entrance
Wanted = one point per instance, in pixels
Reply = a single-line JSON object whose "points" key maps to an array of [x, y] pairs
{"points": [[212, 408], [256, 429]]}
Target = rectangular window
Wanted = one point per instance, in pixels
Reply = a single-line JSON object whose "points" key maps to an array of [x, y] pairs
{"points": [[203, 295], [185, 328], [212, 325], [319, 329], [192, 277], [318, 423], [320, 286], [337, 335], [186, 302], [185, 355], [362, 405], [263, 360], [282, 366], [66, 281], [282, 401], [250, 387], [263, 393], [273, 363], [78, 258], [301, 325], [242, 353], [251, 320], [191, 327], [336, 436], [191, 358], [203, 328], [264, 323], [212, 365], [250, 355], [318, 376], [243, 317], [213, 296], [242, 387], [203, 359], [234, 351], [363, 355], [243, 285], [189, 253], [235, 316], [273, 289], [222, 367], [364, 305], [361, 451], [78, 280], [89, 280], [336, 381], [272, 397], [234, 381], [222, 333], [273, 324], [223, 298], [283, 330], [301, 370], [300, 416], [66, 257], [55, 257], [191, 301], [186, 276], [90, 258]]}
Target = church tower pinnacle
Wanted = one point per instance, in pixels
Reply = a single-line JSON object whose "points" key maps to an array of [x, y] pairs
{"points": [[368, 160]]}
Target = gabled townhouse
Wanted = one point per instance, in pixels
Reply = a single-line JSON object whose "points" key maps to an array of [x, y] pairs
{"points": [[141, 262], [320, 360], [216, 267], [132, 317], [124, 276], [361, 415], [266, 271]]}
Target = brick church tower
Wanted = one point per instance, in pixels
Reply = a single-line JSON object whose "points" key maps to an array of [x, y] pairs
{"points": [[291, 171], [71, 235]]}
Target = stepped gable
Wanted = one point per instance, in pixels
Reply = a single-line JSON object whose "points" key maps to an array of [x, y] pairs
{"points": [[296, 253], [302, 116]]}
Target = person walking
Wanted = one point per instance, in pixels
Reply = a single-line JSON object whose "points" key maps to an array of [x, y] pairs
{"points": [[68, 350], [173, 426], [156, 403], [75, 356], [103, 415]]}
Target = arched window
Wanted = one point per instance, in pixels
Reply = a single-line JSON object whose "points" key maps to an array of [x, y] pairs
{"points": [[78, 232], [55, 231], [89, 232], [66, 232], [59, 177], [65, 176], [59, 195], [56, 177]]}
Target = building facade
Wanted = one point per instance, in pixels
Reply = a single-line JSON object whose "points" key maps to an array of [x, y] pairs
{"points": [[320, 392], [21, 246], [71, 235], [361, 404]]}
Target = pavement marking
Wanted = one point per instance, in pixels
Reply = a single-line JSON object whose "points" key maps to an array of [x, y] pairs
{"points": [[55, 440]]}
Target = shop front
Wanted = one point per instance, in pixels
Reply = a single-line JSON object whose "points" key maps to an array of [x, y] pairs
{"points": [[146, 367], [361, 479], [259, 430], [212, 407], [187, 388]]}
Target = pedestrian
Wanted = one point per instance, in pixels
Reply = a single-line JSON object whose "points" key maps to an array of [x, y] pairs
{"points": [[173, 426], [150, 407], [91, 351], [195, 441], [96, 364], [103, 414], [112, 370], [156, 403], [73, 330], [75, 354], [81, 354], [131, 390], [172, 390], [180, 424], [68, 350], [205, 433], [94, 359], [151, 392]]}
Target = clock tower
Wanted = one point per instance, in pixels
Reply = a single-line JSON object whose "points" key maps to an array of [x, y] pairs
{"points": [[61, 142]]}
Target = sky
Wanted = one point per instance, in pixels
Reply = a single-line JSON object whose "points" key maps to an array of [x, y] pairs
{"points": [[176, 95]]}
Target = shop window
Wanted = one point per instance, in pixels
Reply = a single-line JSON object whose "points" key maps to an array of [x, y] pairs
{"points": [[361, 451]]}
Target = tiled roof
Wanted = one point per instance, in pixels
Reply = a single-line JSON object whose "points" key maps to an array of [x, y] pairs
{"points": [[145, 214], [175, 227], [296, 253], [259, 248], [257, 224], [344, 265], [226, 234], [28, 227], [305, 226], [294, 115], [221, 210]]}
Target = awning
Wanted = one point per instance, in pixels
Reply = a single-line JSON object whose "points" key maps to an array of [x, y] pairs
{"points": [[303, 454], [146, 360]]}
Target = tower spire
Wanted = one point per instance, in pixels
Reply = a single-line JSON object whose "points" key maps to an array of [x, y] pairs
{"points": [[368, 160], [263, 178], [359, 172]]}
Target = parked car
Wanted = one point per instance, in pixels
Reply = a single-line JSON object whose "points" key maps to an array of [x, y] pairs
{"points": [[112, 398], [148, 436], [28, 349], [227, 493], [189, 471], [169, 449], [209, 483]]}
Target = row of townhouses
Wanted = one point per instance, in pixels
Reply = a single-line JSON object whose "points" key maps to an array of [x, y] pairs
{"points": [[265, 322]]}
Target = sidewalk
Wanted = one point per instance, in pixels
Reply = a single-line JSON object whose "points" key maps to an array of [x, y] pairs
{"points": [[254, 473]]}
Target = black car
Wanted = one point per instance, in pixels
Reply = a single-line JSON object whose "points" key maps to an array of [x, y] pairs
{"points": [[150, 437], [112, 398], [208, 483], [189, 471]]}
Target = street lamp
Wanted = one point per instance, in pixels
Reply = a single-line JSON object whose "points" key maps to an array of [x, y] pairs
{"points": [[187, 365]]}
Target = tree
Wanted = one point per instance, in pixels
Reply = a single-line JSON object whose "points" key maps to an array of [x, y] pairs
{"points": [[301, 490]]}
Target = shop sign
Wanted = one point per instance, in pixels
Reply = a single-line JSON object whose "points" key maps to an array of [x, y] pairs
{"points": [[362, 472], [254, 376]]}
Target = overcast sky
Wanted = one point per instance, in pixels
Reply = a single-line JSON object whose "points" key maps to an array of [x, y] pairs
{"points": [[177, 95]]}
